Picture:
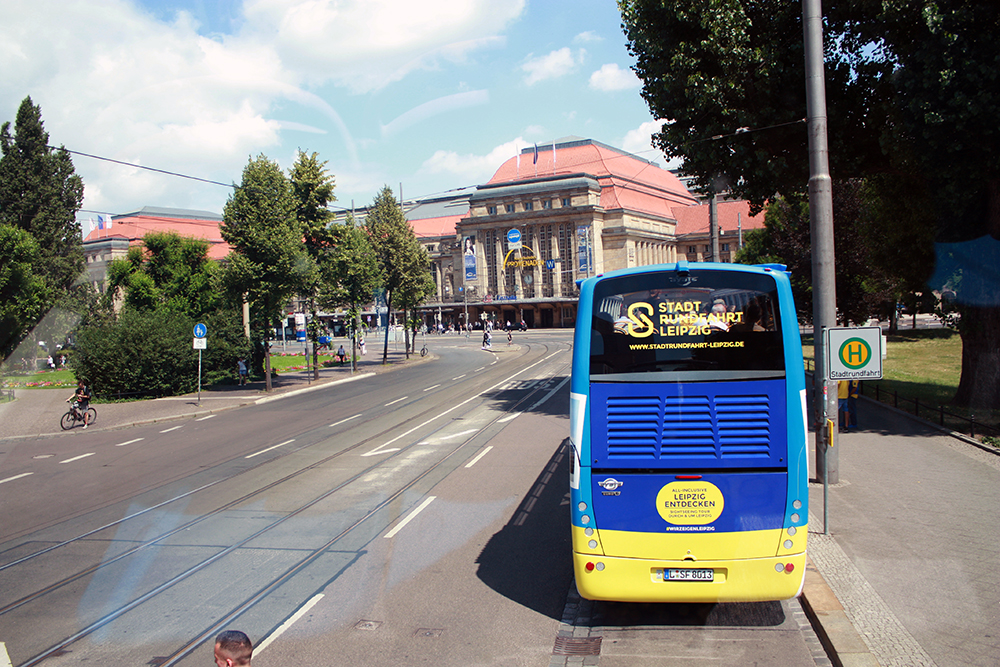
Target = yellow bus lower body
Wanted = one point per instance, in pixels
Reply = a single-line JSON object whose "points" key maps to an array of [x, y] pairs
{"points": [[643, 580]]}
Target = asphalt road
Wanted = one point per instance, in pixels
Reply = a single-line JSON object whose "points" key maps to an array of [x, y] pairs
{"points": [[413, 517]]}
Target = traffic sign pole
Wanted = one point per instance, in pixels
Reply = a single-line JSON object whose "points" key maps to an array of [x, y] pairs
{"points": [[200, 334]]}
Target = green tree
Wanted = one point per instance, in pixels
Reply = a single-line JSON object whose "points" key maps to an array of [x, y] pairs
{"points": [[167, 271], [417, 283], [391, 237], [312, 188], [41, 193], [351, 275], [268, 260], [912, 94], [164, 287], [24, 296]]}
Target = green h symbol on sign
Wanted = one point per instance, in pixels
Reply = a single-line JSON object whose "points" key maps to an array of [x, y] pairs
{"points": [[855, 353]]}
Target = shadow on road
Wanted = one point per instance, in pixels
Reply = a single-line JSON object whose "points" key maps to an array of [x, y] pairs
{"points": [[529, 561]]}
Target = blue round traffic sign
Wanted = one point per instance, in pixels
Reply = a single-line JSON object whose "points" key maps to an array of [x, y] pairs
{"points": [[200, 330], [514, 236]]}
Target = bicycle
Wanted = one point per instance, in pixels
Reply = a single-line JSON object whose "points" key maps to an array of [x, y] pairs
{"points": [[73, 415]]}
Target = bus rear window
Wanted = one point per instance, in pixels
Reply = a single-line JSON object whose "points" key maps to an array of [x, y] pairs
{"points": [[669, 322]]}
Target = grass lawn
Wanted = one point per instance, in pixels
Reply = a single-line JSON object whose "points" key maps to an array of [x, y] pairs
{"points": [[59, 379], [923, 365]]}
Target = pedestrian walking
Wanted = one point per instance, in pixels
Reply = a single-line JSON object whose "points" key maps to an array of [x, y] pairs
{"points": [[241, 371], [510, 337], [233, 649]]}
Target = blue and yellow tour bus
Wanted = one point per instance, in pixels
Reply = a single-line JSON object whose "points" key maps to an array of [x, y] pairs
{"points": [[689, 477]]}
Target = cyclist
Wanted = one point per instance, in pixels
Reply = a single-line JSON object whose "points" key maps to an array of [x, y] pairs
{"points": [[81, 401]]}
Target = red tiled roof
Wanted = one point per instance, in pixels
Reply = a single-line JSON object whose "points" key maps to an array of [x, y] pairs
{"points": [[732, 216], [432, 227], [134, 228], [626, 181]]}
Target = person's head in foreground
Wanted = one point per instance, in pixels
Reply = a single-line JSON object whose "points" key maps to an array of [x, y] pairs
{"points": [[232, 649]]}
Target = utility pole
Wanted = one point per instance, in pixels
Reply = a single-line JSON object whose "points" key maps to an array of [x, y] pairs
{"points": [[713, 226], [821, 229]]}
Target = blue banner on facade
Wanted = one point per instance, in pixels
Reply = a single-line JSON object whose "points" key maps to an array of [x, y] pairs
{"points": [[583, 248], [470, 257]]}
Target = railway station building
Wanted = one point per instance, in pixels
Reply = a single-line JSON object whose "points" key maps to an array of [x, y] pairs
{"points": [[514, 248]]}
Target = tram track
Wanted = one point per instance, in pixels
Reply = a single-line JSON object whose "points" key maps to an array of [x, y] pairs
{"points": [[421, 420]]}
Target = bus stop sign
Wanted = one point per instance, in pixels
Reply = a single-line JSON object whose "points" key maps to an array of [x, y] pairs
{"points": [[854, 353]]}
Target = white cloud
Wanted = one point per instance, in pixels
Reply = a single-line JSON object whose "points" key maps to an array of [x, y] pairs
{"points": [[612, 78], [367, 44], [639, 142], [474, 168], [114, 81], [554, 65], [588, 36]]}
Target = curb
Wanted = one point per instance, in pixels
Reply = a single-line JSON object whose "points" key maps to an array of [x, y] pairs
{"points": [[835, 631]]}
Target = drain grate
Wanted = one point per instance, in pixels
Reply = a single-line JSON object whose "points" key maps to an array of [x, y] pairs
{"points": [[428, 632], [577, 646]]}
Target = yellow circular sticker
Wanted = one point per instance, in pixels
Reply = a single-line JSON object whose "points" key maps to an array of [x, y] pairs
{"points": [[690, 503]]}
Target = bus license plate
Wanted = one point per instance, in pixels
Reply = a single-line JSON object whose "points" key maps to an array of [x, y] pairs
{"points": [[689, 575]]}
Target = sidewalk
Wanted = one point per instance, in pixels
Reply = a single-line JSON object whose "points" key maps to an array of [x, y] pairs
{"points": [[911, 557], [37, 412]]}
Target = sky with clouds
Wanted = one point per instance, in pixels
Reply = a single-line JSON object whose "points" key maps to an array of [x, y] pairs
{"points": [[427, 95]]}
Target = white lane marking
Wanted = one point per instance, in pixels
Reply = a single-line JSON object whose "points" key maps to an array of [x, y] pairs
{"points": [[303, 610], [129, 442], [459, 377], [494, 361], [77, 458], [513, 415], [4, 657], [345, 420], [379, 450], [433, 386], [479, 369], [172, 428], [11, 479], [396, 401], [548, 395], [478, 456], [409, 517], [201, 419], [269, 449]]}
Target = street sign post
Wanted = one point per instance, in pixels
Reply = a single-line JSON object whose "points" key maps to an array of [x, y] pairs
{"points": [[854, 353], [200, 343]]}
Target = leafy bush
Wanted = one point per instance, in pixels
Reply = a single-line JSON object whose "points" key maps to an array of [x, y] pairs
{"points": [[150, 353]]}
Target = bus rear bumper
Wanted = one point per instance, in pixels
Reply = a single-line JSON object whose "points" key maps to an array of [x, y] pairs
{"points": [[641, 580]]}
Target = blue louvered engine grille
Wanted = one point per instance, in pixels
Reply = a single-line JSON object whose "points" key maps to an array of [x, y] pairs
{"points": [[698, 427]]}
